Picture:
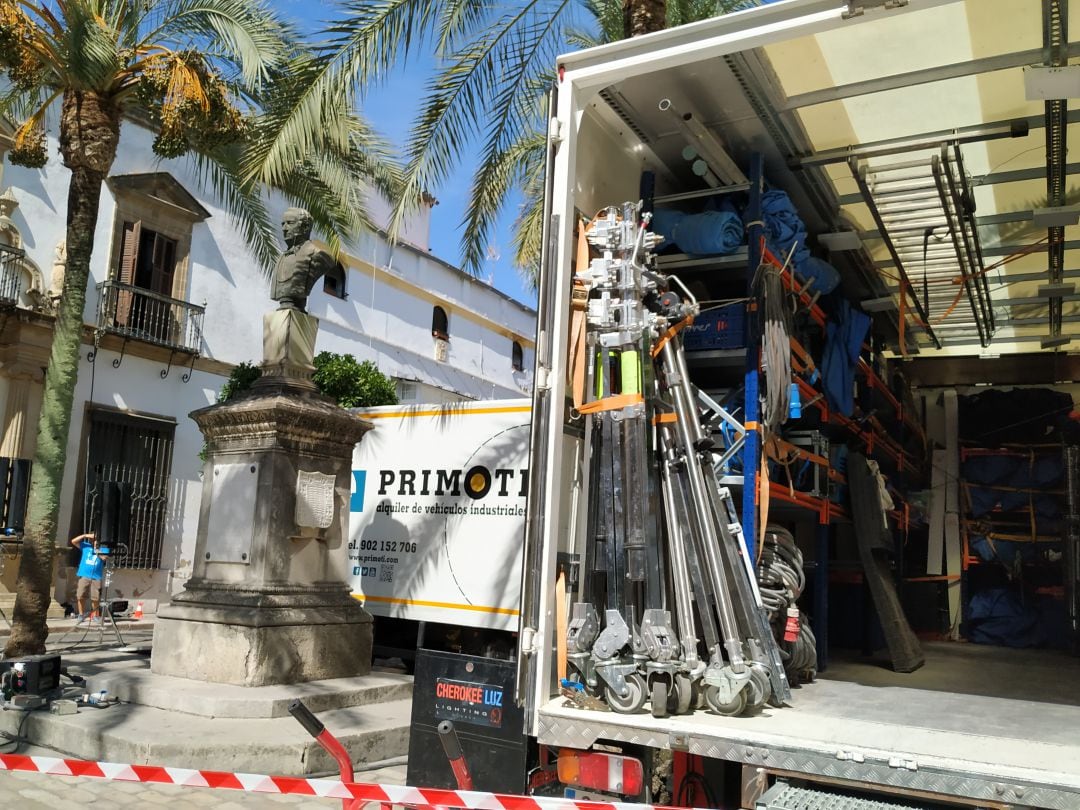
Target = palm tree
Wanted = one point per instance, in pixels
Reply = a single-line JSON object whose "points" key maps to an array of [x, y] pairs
{"points": [[191, 66], [497, 62]]}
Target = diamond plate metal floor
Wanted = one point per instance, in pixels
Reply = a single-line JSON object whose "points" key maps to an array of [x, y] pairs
{"points": [[902, 729]]}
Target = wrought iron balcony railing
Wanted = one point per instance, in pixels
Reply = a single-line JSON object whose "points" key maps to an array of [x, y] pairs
{"points": [[141, 314], [10, 283]]}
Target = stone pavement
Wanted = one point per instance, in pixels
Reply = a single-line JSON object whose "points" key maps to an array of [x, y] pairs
{"points": [[34, 791], [82, 653]]}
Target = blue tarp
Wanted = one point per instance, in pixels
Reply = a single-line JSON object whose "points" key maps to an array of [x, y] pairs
{"points": [[707, 234], [1001, 616], [826, 277], [846, 331], [783, 227]]}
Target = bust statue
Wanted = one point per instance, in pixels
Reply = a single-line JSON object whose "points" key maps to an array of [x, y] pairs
{"points": [[302, 263]]}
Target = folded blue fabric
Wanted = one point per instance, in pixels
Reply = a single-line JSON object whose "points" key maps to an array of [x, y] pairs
{"points": [[826, 277], [783, 227], [664, 221], [707, 234]]}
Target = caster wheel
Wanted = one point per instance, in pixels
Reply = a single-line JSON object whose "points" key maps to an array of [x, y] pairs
{"points": [[682, 698], [658, 696], [634, 699], [732, 709], [759, 687]]}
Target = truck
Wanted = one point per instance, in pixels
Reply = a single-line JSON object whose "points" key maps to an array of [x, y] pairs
{"points": [[820, 99]]}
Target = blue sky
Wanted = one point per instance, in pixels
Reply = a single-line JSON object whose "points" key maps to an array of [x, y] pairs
{"points": [[391, 109]]}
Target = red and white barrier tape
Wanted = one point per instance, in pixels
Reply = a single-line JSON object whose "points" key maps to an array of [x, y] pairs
{"points": [[323, 788]]}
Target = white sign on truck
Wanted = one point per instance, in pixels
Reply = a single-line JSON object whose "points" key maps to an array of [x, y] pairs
{"points": [[438, 512]]}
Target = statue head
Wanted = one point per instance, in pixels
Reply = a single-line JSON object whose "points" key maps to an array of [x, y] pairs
{"points": [[296, 226]]}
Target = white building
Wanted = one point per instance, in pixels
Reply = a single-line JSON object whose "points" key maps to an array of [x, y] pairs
{"points": [[175, 301]]}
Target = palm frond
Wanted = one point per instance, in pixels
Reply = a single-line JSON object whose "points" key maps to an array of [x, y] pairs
{"points": [[512, 140], [487, 75], [219, 171], [361, 47], [249, 33]]}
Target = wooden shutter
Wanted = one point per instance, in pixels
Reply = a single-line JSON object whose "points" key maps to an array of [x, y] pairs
{"points": [[125, 273], [164, 265]]}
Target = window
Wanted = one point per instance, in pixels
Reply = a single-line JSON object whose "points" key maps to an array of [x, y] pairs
{"points": [[440, 325], [334, 282], [153, 223], [406, 391], [147, 261], [131, 456], [517, 357]]}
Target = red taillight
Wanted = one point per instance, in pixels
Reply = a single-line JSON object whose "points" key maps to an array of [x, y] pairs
{"points": [[597, 770]]}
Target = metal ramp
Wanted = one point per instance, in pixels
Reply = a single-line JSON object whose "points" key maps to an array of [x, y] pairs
{"points": [[925, 213]]}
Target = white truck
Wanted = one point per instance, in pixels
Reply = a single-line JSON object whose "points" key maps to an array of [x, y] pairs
{"points": [[800, 95], [437, 512]]}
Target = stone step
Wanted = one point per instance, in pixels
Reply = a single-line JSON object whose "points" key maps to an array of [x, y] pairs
{"points": [[130, 733], [139, 685]]}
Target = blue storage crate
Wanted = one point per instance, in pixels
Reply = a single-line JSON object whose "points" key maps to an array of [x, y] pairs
{"points": [[721, 328]]}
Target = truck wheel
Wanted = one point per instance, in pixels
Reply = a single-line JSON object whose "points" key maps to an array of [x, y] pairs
{"points": [[635, 696], [732, 709], [659, 697]]}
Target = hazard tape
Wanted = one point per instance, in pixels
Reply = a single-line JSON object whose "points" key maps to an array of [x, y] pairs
{"points": [[297, 786]]}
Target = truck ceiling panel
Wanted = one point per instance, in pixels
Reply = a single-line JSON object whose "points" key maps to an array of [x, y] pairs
{"points": [[923, 35]]}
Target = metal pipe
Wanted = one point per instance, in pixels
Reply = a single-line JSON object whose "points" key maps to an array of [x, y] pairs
{"points": [[707, 144]]}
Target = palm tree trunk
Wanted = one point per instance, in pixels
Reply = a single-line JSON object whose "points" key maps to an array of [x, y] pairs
{"points": [[643, 17], [89, 131]]}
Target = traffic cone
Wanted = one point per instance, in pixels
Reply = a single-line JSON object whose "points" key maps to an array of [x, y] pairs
{"points": [[138, 611]]}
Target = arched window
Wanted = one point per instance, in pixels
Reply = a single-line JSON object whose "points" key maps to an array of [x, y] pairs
{"points": [[440, 325], [334, 282], [517, 357]]}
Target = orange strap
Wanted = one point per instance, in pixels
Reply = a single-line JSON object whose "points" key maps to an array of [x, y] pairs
{"points": [[613, 403], [579, 302], [670, 333], [665, 418], [561, 624], [579, 297]]}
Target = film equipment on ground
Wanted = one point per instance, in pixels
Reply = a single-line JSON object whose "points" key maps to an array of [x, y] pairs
{"points": [[109, 515]]}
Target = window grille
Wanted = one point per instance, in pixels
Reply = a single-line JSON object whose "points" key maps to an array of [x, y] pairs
{"points": [[135, 453]]}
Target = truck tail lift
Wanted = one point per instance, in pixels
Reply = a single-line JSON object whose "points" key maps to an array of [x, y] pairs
{"points": [[654, 576]]}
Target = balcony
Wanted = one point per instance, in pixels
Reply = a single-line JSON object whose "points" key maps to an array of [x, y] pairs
{"points": [[140, 314], [10, 276]]}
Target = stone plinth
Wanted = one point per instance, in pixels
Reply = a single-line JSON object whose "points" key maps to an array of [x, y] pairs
{"points": [[288, 348], [267, 602]]}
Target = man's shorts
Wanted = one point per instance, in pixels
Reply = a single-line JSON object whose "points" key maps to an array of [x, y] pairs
{"points": [[91, 587]]}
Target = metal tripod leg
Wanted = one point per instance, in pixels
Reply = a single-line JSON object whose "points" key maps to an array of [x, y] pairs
{"points": [[752, 617], [677, 554], [691, 437]]}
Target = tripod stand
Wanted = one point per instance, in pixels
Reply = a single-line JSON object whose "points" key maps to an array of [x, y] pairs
{"points": [[105, 607]]}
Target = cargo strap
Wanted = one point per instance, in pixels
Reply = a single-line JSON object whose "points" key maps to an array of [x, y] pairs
{"points": [[670, 333], [579, 302]]}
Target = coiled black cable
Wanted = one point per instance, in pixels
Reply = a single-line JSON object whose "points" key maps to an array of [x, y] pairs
{"points": [[781, 581]]}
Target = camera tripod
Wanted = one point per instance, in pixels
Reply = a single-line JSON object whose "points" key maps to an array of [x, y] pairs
{"points": [[104, 613]]}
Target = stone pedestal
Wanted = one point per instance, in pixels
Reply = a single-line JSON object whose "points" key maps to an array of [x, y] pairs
{"points": [[267, 602], [288, 349]]}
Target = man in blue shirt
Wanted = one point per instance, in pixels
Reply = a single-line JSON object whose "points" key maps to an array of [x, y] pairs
{"points": [[91, 567]]}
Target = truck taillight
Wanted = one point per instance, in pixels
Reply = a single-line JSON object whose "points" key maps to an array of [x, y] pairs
{"points": [[596, 770]]}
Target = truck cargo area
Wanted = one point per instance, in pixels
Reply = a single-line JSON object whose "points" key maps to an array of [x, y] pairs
{"points": [[924, 150]]}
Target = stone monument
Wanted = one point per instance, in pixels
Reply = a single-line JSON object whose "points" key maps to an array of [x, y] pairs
{"points": [[267, 602]]}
